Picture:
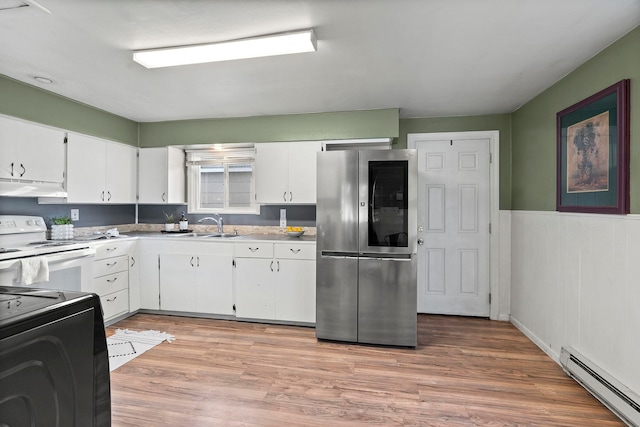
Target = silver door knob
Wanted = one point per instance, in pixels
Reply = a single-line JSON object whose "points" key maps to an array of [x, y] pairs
{"points": [[421, 241]]}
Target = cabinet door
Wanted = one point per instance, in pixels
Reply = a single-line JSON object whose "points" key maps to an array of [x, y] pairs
{"points": [[121, 173], [272, 172], [149, 276], [214, 284], [134, 281], [152, 175], [255, 288], [30, 151], [86, 169], [178, 282], [296, 290], [302, 172], [161, 175]]}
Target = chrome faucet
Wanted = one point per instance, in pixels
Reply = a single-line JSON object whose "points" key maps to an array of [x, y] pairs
{"points": [[216, 220]]}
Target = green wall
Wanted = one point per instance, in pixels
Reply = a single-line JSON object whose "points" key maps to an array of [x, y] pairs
{"points": [[298, 127], [28, 102], [499, 122], [534, 124]]}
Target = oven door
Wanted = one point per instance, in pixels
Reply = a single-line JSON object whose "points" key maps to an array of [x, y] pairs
{"points": [[68, 271]]}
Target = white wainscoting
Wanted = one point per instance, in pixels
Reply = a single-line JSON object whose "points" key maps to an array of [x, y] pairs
{"points": [[575, 280]]}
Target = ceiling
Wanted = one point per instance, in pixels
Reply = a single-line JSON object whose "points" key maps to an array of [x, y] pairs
{"points": [[429, 58]]}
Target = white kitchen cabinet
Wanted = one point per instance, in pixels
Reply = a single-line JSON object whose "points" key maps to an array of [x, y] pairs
{"points": [[149, 264], [286, 172], [161, 175], [196, 283], [111, 276], [134, 279], [296, 284], [31, 152], [100, 171], [276, 281], [255, 288]]}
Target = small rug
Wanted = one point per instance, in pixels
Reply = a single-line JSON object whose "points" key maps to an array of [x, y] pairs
{"points": [[125, 345]]}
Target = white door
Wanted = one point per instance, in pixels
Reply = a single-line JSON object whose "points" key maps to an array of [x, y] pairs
{"points": [[454, 216]]}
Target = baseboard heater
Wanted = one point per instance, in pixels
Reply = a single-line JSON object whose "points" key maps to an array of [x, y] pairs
{"points": [[614, 395]]}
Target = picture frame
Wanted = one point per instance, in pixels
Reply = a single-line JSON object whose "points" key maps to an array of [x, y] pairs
{"points": [[593, 153]]}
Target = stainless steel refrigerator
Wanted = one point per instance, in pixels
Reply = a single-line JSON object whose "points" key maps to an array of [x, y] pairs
{"points": [[366, 247]]}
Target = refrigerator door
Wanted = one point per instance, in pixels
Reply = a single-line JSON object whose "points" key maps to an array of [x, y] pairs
{"points": [[337, 298], [387, 301], [388, 202], [337, 246], [337, 201]]}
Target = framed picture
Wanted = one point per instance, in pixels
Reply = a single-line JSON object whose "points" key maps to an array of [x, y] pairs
{"points": [[593, 153]]}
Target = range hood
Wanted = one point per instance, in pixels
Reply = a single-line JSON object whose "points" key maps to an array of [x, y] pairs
{"points": [[32, 189]]}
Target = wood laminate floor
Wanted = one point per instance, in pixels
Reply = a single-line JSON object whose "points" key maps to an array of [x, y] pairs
{"points": [[464, 372]]}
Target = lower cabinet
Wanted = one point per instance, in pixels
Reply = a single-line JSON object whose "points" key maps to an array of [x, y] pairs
{"points": [[276, 281], [296, 290], [196, 283], [255, 288], [111, 277]]}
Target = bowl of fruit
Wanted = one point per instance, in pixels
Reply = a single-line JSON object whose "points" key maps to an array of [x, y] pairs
{"points": [[295, 231]]}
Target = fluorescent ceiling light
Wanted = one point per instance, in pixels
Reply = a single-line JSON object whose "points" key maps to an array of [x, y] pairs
{"points": [[255, 47]]}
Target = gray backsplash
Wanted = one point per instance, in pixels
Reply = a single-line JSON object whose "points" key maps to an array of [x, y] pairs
{"points": [[103, 215]]}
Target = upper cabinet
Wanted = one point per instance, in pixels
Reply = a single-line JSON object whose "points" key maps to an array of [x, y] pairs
{"points": [[161, 175], [100, 171], [31, 152], [286, 172]]}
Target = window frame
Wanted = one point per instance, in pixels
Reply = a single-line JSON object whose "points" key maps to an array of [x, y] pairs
{"points": [[226, 157]]}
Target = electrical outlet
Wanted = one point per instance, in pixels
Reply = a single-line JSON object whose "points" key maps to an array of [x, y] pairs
{"points": [[283, 218], [75, 214]]}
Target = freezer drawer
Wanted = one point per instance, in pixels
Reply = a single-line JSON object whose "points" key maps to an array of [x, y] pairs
{"points": [[387, 301], [337, 298]]}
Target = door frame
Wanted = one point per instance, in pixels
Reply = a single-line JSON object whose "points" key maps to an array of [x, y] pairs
{"points": [[494, 202]]}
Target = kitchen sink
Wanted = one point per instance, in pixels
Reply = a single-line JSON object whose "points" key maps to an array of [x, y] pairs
{"points": [[216, 235], [203, 235]]}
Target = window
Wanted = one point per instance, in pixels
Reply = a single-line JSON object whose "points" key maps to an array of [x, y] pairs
{"points": [[221, 180]]}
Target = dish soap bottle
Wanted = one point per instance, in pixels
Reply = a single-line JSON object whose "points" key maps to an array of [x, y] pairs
{"points": [[184, 223]]}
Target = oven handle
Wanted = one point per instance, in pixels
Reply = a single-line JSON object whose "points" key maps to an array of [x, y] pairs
{"points": [[52, 258]]}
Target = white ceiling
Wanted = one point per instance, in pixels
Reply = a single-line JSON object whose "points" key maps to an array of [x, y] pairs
{"points": [[429, 58]]}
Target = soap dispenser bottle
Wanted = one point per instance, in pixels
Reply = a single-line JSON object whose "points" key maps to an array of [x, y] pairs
{"points": [[184, 223]]}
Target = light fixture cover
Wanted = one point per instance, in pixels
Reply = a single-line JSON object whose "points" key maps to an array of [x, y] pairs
{"points": [[255, 47]]}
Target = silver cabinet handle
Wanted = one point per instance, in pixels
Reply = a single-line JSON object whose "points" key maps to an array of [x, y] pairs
{"points": [[191, 262], [112, 299], [295, 251], [284, 196], [111, 249], [253, 249], [278, 265], [290, 196], [23, 170], [197, 261], [163, 199], [102, 196], [11, 168], [112, 280], [271, 265], [133, 262], [111, 264], [421, 241], [109, 193]]}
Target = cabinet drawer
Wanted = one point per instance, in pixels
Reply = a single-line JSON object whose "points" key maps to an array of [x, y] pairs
{"points": [[110, 283], [253, 250], [294, 251], [110, 265], [115, 304], [112, 249]]}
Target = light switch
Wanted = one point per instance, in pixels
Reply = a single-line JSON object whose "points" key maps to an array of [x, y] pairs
{"points": [[75, 214], [283, 218]]}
